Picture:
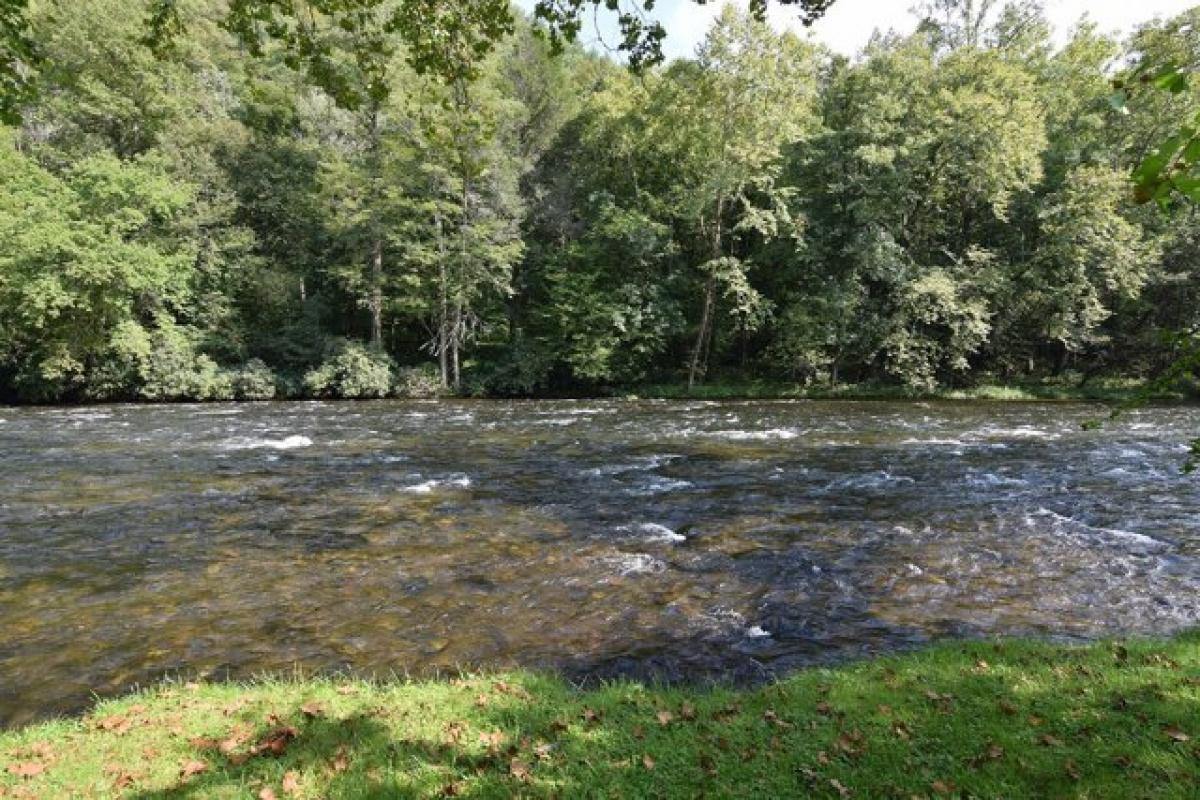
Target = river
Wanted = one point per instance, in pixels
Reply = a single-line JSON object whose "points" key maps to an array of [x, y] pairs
{"points": [[666, 540]]}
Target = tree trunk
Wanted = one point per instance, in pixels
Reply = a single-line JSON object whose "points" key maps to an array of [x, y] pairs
{"points": [[710, 301], [443, 332], [375, 303], [710, 291], [375, 268], [454, 343]]}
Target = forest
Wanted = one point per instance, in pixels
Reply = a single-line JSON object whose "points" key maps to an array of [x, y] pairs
{"points": [[206, 218]]}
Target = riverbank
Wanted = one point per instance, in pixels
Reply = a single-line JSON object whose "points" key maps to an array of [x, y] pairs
{"points": [[1011, 719], [1115, 391]]}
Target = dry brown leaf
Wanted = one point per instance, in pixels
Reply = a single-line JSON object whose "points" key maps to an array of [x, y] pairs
{"points": [[1175, 733], [341, 759], [27, 769], [193, 767], [1046, 740], [312, 710], [664, 718], [647, 761], [267, 794], [688, 712], [117, 724], [1072, 770], [943, 787], [493, 740], [839, 788], [291, 782], [276, 742], [519, 769]]}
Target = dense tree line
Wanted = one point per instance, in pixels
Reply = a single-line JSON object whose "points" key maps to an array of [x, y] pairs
{"points": [[211, 217]]}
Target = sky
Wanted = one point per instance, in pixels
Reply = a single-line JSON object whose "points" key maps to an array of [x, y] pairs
{"points": [[849, 24]]}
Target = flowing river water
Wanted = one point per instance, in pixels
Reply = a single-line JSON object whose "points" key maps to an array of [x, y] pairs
{"points": [[666, 540]]}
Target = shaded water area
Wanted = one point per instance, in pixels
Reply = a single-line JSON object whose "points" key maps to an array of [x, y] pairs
{"points": [[681, 541]]}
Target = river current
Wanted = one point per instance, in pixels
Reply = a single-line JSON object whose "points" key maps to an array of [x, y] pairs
{"points": [[661, 540]]}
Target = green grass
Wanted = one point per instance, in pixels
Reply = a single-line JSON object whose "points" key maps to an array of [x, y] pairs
{"points": [[1004, 719], [1107, 390]]}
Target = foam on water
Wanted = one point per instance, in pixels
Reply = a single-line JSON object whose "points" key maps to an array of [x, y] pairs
{"points": [[287, 443], [784, 434], [429, 486], [661, 533], [1065, 524]]}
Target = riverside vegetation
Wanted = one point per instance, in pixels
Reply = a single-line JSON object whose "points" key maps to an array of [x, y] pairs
{"points": [[185, 220]]}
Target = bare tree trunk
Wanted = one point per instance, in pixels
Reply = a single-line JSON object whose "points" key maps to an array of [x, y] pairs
{"points": [[710, 291], [375, 269], [710, 301], [454, 346], [443, 334], [375, 303]]}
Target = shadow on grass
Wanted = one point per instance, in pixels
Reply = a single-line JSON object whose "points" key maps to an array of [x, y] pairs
{"points": [[975, 719]]}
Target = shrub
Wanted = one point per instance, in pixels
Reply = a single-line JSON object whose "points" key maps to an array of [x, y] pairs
{"points": [[254, 381], [353, 372], [419, 382]]}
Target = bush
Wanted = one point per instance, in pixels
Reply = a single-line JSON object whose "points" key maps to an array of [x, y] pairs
{"points": [[254, 381], [419, 383], [353, 372]]}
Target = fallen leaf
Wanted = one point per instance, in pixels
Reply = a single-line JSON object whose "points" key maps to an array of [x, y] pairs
{"points": [[901, 729], [115, 724], [543, 751], [1072, 770], [638, 732], [291, 782], [1008, 707], [824, 708], [193, 767], [839, 788], [312, 710], [688, 712], [493, 741], [647, 761], [347, 690], [267, 794], [850, 743], [1175, 733], [276, 742], [590, 715], [943, 787], [665, 718], [452, 789], [27, 769], [519, 769], [1046, 740], [773, 718], [341, 759]]}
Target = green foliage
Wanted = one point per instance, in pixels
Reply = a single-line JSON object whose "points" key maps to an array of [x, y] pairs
{"points": [[254, 381], [429, 179], [351, 373], [419, 383]]}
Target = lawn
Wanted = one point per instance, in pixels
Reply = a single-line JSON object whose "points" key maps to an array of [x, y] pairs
{"points": [[981, 719]]}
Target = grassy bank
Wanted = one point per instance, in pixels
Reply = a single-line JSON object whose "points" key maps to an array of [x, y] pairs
{"points": [[1008, 719], [1106, 391]]}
